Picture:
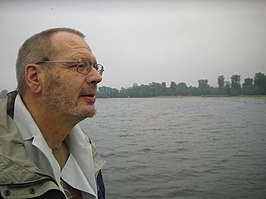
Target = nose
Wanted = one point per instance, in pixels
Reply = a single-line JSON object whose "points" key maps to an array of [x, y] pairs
{"points": [[93, 76]]}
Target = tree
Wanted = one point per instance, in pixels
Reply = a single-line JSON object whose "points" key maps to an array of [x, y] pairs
{"points": [[108, 92], [235, 85], [227, 88], [203, 86], [182, 89], [156, 89], [248, 86], [164, 89], [221, 82], [260, 84], [123, 92], [173, 88]]}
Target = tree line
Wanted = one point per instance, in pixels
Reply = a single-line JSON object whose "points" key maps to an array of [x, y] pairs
{"points": [[251, 86]]}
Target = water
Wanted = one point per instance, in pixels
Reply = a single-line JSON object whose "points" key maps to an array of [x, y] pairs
{"points": [[181, 147]]}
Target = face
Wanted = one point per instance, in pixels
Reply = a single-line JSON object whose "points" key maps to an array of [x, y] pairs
{"points": [[65, 90]]}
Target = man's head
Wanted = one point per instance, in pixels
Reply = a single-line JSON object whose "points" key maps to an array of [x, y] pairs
{"points": [[35, 49], [49, 70]]}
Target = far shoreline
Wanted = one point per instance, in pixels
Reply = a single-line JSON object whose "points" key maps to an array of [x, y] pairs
{"points": [[196, 96]]}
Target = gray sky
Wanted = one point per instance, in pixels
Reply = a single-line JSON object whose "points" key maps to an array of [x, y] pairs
{"points": [[147, 41]]}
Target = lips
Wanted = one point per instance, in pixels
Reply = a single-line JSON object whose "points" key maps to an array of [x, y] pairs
{"points": [[89, 96]]}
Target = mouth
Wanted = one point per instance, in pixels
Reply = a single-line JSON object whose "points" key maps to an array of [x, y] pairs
{"points": [[90, 97]]}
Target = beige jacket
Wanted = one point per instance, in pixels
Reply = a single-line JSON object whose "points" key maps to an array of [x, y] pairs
{"points": [[19, 176]]}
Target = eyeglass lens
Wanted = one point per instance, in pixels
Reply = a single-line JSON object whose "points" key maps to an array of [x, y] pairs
{"points": [[85, 67]]}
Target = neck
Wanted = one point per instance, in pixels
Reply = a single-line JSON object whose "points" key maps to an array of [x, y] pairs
{"points": [[54, 126], [61, 155]]}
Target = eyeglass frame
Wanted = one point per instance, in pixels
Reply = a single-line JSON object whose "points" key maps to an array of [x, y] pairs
{"points": [[98, 67]]}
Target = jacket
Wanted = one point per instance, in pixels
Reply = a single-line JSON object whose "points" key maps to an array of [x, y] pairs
{"points": [[19, 176]]}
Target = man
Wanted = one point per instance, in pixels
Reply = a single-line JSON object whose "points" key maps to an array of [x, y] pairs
{"points": [[43, 152]]}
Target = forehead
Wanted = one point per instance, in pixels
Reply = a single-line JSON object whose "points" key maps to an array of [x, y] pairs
{"points": [[71, 45]]}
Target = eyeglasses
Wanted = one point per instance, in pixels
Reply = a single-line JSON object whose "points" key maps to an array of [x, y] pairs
{"points": [[84, 66]]}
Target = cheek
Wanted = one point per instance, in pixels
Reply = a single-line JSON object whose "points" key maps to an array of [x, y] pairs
{"points": [[70, 85], [74, 82], [53, 82], [67, 82]]}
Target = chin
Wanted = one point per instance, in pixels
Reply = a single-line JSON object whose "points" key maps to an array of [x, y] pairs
{"points": [[83, 113], [92, 113]]}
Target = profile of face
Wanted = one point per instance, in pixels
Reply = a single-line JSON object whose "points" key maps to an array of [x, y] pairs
{"points": [[64, 88]]}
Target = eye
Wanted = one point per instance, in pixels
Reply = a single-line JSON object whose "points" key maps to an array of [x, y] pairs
{"points": [[71, 64], [82, 64]]}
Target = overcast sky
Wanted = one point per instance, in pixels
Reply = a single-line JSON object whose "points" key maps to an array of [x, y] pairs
{"points": [[147, 41]]}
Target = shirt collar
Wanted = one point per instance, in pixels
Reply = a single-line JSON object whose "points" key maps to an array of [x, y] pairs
{"points": [[83, 157], [22, 117], [30, 131]]}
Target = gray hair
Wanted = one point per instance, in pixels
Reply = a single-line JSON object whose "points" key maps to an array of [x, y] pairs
{"points": [[35, 49]]}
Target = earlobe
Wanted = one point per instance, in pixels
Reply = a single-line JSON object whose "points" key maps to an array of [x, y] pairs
{"points": [[32, 78]]}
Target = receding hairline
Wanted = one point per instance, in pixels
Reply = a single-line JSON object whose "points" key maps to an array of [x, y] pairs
{"points": [[63, 40], [57, 30], [64, 36]]}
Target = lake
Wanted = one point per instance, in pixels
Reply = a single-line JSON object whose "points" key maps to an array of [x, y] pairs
{"points": [[183, 147]]}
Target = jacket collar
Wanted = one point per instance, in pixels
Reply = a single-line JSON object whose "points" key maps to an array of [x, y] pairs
{"points": [[16, 167]]}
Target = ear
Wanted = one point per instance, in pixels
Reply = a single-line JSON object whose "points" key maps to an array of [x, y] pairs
{"points": [[32, 78]]}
